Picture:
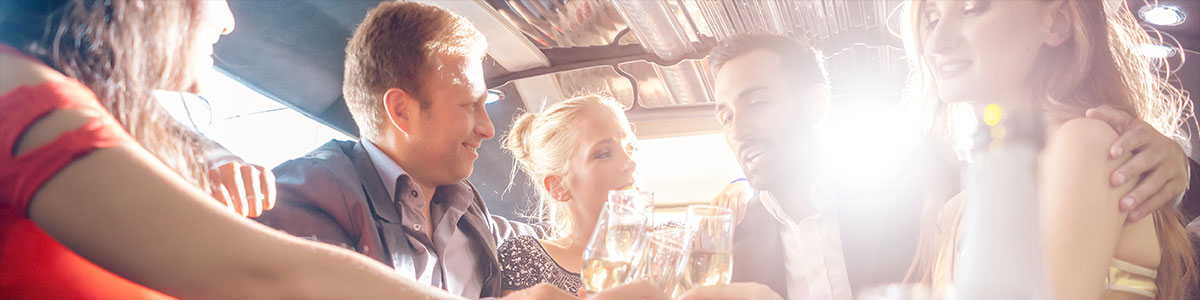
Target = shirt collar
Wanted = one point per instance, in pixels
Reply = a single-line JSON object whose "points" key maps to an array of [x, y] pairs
{"points": [[387, 168], [458, 196]]}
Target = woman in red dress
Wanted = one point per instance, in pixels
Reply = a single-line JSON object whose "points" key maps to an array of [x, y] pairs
{"points": [[100, 196]]}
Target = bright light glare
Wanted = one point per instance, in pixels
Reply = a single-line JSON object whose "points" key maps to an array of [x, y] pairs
{"points": [[992, 114], [1157, 51], [1162, 15], [684, 170], [862, 141]]}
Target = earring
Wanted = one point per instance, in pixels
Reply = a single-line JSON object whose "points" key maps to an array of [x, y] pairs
{"points": [[562, 196]]}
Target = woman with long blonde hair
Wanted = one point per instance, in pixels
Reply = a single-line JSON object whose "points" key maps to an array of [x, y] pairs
{"points": [[1057, 57]]}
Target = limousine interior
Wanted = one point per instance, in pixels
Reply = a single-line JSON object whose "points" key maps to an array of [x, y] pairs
{"points": [[280, 76]]}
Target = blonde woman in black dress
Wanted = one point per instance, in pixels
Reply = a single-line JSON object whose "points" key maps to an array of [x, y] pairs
{"points": [[574, 152]]}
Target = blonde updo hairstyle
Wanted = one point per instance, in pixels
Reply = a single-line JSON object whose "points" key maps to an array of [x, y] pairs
{"points": [[544, 143]]}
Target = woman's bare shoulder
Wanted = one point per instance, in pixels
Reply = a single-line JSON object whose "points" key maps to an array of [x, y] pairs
{"points": [[1080, 140], [20, 71], [1076, 162]]}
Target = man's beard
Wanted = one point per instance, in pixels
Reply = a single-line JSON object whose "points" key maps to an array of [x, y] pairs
{"points": [[789, 169]]}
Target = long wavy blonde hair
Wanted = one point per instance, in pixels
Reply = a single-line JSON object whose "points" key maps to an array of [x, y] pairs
{"points": [[1100, 65]]}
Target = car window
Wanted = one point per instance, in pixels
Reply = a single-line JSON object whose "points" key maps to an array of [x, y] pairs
{"points": [[259, 130]]}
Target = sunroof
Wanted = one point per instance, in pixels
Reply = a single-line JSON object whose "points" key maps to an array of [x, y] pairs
{"points": [[671, 38], [684, 84], [563, 23]]}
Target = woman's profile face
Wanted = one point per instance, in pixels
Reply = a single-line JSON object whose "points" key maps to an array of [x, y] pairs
{"points": [[602, 161], [216, 20], [982, 50]]}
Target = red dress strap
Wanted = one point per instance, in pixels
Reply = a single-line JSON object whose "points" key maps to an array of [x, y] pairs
{"points": [[23, 175]]}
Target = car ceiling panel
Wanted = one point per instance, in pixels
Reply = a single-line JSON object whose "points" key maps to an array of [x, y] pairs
{"points": [[292, 51]]}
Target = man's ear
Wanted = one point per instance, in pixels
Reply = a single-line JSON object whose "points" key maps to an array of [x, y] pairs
{"points": [[1060, 23], [399, 107], [553, 184]]}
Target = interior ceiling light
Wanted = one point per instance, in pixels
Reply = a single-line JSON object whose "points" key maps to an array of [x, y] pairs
{"points": [[1162, 15], [1158, 51]]}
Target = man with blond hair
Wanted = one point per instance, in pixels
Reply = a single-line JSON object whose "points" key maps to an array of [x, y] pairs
{"points": [[414, 85]]}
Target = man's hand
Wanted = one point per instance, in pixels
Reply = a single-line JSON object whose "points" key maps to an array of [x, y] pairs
{"points": [[732, 291], [735, 196], [1157, 160], [247, 190]]}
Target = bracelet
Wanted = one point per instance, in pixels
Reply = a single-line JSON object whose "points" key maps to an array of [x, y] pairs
{"points": [[736, 180]]}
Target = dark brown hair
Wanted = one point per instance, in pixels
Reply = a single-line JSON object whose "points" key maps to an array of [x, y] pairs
{"points": [[800, 60], [123, 50], [392, 48]]}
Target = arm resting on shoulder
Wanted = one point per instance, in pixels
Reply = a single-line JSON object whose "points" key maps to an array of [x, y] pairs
{"points": [[145, 223]]}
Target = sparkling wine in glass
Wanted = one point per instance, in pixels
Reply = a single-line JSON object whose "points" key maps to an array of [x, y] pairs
{"points": [[708, 247], [615, 244], [640, 200], [659, 263]]}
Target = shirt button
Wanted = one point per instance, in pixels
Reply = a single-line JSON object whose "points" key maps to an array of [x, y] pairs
{"points": [[417, 227], [413, 193]]}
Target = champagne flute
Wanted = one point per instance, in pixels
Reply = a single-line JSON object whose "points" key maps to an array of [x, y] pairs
{"points": [[708, 247], [617, 239], [640, 200], [659, 264]]}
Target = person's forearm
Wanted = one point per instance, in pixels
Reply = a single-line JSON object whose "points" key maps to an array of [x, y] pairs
{"points": [[146, 224], [256, 262], [329, 272], [272, 264], [260, 263]]}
